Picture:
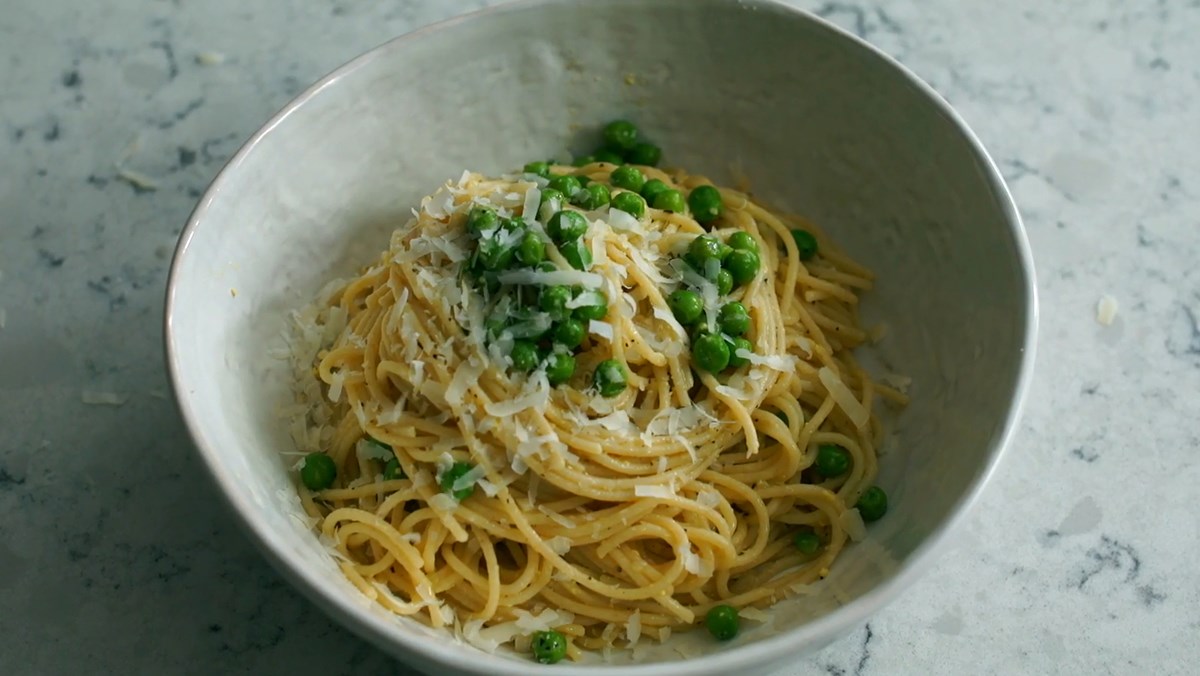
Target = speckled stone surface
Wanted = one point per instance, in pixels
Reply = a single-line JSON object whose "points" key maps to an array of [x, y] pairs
{"points": [[117, 557]]}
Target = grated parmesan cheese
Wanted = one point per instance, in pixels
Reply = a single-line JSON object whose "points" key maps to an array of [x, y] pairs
{"points": [[805, 345], [137, 179], [489, 489], [586, 298], [653, 491], [692, 562], [844, 398], [93, 398], [901, 383], [441, 502], [754, 614], [588, 280], [336, 381], [491, 638], [633, 628], [623, 222], [1106, 310], [557, 517], [602, 329], [210, 58], [466, 375], [665, 316], [708, 498], [536, 400], [544, 621], [780, 362], [851, 522], [617, 421], [559, 545], [370, 451], [422, 479], [533, 197], [469, 479]]}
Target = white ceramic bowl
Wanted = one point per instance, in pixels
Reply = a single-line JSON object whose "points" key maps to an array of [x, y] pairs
{"points": [[819, 121]]}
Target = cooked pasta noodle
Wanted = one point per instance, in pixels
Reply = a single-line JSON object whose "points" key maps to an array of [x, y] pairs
{"points": [[605, 518]]}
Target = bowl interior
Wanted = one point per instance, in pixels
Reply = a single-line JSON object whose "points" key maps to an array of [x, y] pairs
{"points": [[818, 123]]}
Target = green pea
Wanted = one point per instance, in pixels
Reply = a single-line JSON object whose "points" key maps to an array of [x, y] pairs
{"points": [[560, 368], [549, 203], [743, 240], [597, 310], [705, 203], [806, 243], [494, 255], [547, 266], [594, 196], [565, 226], [832, 460], [570, 333], [627, 177], [806, 541], [610, 378], [540, 168], [733, 319], [873, 504], [669, 200], [722, 622], [454, 473], [583, 161], [566, 185], [629, 202], [578, 254], [621, 134], [736, 362], [644, 153], [392, 470], [480, 219], [512, 224], [724, 282], [531, 250], [701, 250], [524, 356], [549, 647], [553, 301], [686, 305], [607, 155], [743, 265], [651, 189], [318, 471], [725, 250], [710, 353]]}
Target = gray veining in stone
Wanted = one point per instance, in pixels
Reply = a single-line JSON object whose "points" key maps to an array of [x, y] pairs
{"points": [[116, 555]]}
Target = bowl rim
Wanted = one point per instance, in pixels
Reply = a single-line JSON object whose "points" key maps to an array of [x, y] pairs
{"points": [[384, 633]]}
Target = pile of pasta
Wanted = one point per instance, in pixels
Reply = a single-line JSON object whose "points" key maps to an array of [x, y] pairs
{"points": [[608, 519]]}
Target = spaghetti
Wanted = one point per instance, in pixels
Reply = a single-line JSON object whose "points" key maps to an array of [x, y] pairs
{"points": [[474, 495]]}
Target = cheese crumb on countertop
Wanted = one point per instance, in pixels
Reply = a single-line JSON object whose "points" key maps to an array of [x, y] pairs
{"points": [[1106, 310]]}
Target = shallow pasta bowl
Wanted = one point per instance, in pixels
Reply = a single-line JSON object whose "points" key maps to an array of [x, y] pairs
{"points": [[817, 121]]}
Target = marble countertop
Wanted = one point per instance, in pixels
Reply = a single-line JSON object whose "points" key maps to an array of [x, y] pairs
{"points": [[116, 555]]}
